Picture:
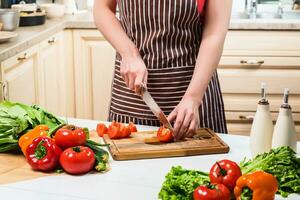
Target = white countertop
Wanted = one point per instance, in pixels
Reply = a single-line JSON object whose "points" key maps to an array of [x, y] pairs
{"points": [[127, 180]]}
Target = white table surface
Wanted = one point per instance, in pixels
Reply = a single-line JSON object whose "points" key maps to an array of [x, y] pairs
{"points": [[127, 180]]}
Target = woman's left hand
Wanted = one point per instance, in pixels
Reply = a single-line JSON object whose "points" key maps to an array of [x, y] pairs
{"points": [[186, 116]]}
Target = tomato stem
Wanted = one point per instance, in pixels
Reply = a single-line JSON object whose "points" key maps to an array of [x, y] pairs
{"points": [[223, 172], [76, 149]]}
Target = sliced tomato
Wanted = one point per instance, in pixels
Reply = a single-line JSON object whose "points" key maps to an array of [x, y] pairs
{"points": [[164, 134], [113, 132], [101, 129], [124, 131], [132, 127]]}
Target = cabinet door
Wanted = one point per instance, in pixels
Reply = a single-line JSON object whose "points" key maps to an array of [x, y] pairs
{"points": [[19, 77], [53, 76], [49, 80], [94, 65]]}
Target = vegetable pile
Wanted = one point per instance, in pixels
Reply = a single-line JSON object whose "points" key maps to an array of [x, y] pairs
{"points": [[47, 143], [268, 173], [180, 183], [280, 162], [16, 119]]}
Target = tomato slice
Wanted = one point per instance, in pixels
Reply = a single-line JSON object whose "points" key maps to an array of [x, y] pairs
{"points": [[164, 134], [132, 127], [113, 132], [101, 129], [124, 131]]}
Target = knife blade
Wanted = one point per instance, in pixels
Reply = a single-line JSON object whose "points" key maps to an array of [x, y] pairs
{"points": [[148, 99]]}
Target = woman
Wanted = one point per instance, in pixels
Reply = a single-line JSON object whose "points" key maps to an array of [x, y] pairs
{"points": [[173, 47]]}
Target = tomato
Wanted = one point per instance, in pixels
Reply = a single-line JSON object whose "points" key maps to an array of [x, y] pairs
{"points": [[101, 129], [118, 130], [70, 136], [124, 131], [132, 127], [212, 192], [225, 172], [164, 134], [113, 132], [77, 160]]}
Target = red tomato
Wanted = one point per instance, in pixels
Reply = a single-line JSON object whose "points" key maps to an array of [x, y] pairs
{"points": [[164, 134], [113, 132], [225, 172], [132, 127], [101, 129], [124, 131], [70, 136], [118, 130], [77, 160], [212, 192]]}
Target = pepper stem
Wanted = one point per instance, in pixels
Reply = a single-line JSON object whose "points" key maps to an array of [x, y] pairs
{"points": [[76, 149], [40, 152]]}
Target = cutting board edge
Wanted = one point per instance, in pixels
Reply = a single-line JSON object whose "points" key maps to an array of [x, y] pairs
{"points": [[116, 155], [132, 156]]}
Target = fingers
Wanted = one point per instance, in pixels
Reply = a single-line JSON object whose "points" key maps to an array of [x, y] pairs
{"points": [[192, 129], [172, 115], [139, 81], [177, 126], [185, 125]]}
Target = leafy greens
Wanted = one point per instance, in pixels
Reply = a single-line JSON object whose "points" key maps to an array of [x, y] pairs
{"points": [[180, 183], [17, 118]]}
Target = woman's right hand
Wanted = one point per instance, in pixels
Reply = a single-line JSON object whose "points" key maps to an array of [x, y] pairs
{"points": [[134, 72]]}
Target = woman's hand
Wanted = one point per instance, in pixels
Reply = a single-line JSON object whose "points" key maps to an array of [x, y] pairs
{"points": [[186, 116], [134, 72]]}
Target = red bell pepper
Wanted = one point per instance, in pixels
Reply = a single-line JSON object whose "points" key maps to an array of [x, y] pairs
{"points": [[43, 154]]}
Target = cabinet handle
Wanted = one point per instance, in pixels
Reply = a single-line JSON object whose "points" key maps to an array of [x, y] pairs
{"points": [[51, 41], [5, 91], [24, 57], [252, 62], [246, 117]]}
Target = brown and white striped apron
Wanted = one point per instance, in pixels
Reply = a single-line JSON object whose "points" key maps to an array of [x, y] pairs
{"points": [[168, 35]]}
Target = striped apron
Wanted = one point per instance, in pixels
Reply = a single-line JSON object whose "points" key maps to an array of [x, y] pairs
{"points": [[168, 35]]}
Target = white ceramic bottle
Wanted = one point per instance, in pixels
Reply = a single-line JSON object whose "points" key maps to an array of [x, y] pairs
{"points": [[262, 127], [284, 131]]}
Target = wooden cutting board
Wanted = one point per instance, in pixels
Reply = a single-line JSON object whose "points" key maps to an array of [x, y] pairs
{"points": [[139, 146]]}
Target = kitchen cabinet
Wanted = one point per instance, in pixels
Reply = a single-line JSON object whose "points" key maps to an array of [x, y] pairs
{"points": [[19, 77], [93, 65], [54, 76], [252, 57], [42, 74]]}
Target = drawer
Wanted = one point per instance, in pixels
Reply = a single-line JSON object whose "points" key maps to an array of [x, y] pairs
{"points": [[262, 43], [249, 80], [247, 117], [248, 102], [259, 62], [244, 129]]}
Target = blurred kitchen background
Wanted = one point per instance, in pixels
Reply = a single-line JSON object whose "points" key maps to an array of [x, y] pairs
{"points": [[59, 60]]}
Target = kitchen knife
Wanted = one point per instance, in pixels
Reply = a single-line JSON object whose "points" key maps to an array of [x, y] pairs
{"points": [[146, 96]]}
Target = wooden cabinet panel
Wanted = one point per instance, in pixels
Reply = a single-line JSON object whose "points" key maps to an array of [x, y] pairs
{"points": [[248, 102], [252, 57], [262, 43], [19, 77], [94, 64], [51, 75], [259, 62], [247, 81]]}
